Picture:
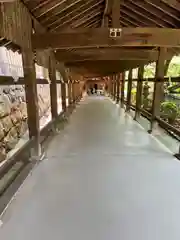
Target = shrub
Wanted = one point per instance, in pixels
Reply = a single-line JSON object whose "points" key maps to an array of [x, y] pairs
{"points": [[169, 111]]}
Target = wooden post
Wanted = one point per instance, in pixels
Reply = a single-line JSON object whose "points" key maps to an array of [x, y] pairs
{"points": [[128, 105], [112, 86], [31, 99], [70, 92], [158, 94], [122, 88], [116, 13], [63, 96], [118, 88], [73, 92], [53, 87], [115, 86], [139, 92]]}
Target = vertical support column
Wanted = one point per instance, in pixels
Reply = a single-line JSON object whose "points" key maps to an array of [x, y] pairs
{"points": [[63, 96], [115, 86], [112, 86], [139, 92], [158, 94], [116, 14], [53, 87], [70, 92], [31, 99], [73, 92], [118, 88], [122, 88], [128, 105]]}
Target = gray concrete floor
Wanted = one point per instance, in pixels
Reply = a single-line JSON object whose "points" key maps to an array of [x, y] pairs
{"points": [[104, 178]]}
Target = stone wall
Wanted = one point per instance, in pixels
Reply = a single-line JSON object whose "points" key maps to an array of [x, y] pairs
{"points": [[13, 114]]}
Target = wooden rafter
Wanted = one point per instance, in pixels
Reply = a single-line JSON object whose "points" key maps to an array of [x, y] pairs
{"points": [[156, 13], [136, 10], [164, 8], [134, 16], [73, 15], [159, 19], [87, 18], [79, 17]]}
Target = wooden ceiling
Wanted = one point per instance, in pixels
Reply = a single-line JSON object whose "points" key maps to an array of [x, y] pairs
{"points": [[62, 15], [57, 15]]}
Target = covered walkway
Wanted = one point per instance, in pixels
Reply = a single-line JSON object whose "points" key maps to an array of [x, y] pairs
{"points": [[104, 178]]}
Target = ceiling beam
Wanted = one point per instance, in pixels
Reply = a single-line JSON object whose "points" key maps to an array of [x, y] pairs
{"points": [[135, 17], [77, 17], [73, 15], [164, 8], [156, 13], [86, 18], [100, 37], [112, 54], [136, 10]]}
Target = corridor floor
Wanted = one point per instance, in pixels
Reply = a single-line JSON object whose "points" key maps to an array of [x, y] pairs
{"points": [[104, 178]]}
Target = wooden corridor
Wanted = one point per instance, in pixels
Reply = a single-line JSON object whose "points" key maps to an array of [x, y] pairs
{"points": [[104, 178]]}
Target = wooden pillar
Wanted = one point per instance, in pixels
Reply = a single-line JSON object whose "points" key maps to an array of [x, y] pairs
{"points": [[70, 92], [122, 88], [112, 86], [31, 98], [63, 96], [128, 105], [139, 91], [158, 94], [118, 88], [53, 87], [116, 14], [73, 92], [115, 86]]}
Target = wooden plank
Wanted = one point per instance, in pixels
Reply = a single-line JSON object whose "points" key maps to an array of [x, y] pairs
{"points": [[128, 106], [139, 92], [53, 87], [158, 93], [100, 37]]}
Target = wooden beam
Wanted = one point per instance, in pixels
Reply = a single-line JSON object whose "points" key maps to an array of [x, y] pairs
{"points": [[156, 13], [107, 54], [135, 9], [164, 8], [139, 92], [128, 106], [158, 87], [87, 17], [71, 18], [100, 37], [53, 87]]}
